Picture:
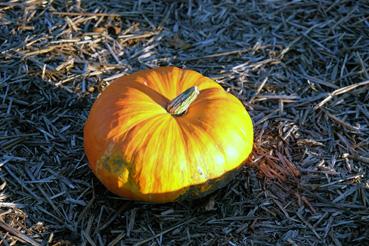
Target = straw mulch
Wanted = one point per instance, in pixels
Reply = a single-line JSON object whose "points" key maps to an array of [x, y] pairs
{"points": [[300, 67]]}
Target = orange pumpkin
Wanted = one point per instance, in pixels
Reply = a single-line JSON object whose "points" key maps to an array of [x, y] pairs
{"points": [[166, 134]]}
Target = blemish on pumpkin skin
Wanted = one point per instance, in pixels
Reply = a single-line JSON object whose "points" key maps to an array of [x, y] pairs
{"points": [[118, 170], [201, 172], [112, 164]]}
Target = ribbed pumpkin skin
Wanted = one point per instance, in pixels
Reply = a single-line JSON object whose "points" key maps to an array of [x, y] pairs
{"points": [[140, 151]]}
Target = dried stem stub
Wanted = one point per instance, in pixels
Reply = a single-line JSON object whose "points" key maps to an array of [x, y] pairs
{"points": [[182, 102]]}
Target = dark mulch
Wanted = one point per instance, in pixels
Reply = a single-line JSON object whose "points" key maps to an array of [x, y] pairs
{"points": [[300, 67]]}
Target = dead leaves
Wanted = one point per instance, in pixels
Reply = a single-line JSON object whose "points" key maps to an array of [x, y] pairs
{"points": [[178, 43]]}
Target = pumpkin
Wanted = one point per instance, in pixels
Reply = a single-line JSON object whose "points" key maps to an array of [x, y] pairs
{"points": [[166, 134]]}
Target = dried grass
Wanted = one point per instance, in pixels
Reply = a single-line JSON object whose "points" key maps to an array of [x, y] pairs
{"points": [[300, 67]]}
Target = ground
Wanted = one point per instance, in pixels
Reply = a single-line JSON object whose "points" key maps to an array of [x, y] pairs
{"points": [[299, 67]]}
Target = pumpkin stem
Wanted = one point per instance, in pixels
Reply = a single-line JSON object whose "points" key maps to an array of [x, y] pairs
{"points": [[180, 104]]}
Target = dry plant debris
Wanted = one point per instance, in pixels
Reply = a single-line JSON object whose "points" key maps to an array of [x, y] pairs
{"points": [[300, 67]]}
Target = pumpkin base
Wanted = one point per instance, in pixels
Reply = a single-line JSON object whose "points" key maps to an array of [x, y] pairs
{"points": [[188, 193], [210, 186]]}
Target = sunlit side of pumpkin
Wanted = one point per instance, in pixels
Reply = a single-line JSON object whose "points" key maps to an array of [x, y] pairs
{"points": [[144, 146]]}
